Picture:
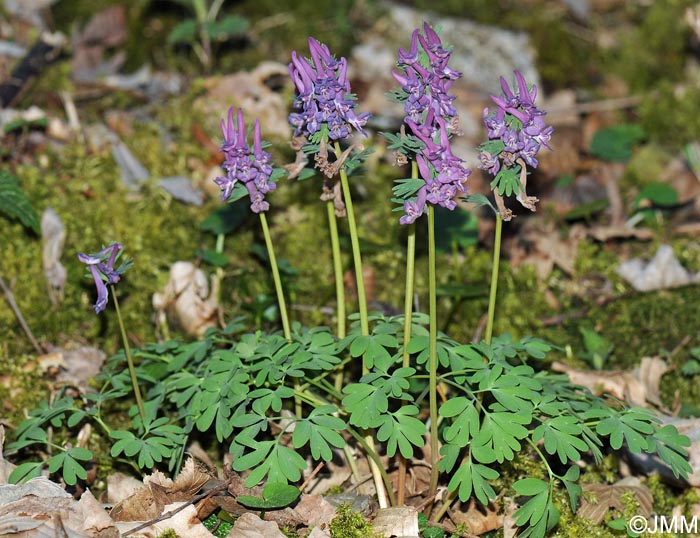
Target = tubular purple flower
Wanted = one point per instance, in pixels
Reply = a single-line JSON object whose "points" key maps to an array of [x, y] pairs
{"points": [[252, 168], [101, 266], [323, 95], [410, 57]]}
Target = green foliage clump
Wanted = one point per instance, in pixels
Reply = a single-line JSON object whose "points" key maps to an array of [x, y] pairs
{"points": [[350, 524]]}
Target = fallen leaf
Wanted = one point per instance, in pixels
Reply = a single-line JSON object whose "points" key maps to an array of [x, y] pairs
{"points": [[638, 387], [158, 491], [120, 486], [661, 272], [478, 518], [186, 300], [314, 510], [397, 521], [53, 236], [251, 526], [598, 499], [96, 519], [184, 523]]}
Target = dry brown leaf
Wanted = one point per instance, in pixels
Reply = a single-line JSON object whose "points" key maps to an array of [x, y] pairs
{"points": [[120, 486], [251, 526], [397, 521], [185, 523], [186, 299], [38, 508], [5, 466], [250, 91], [96, 519], [158, 491], [478, 518], [636, 388], [105, 29], [598, 499], [549, 248], [314, 510]]}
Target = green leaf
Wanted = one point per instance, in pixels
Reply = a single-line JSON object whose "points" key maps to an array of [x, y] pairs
{"points": [[562, 437], [630, 426], [530, 486], [615, 143], [230, 26], [657, 194], [184, 32], [15, 204], [225, 219], [366, 405], [471, 477], [275, 495], [25, 471], [402, 429], [507, 181], [406, 188], [480, 200], [212, 257], [499, 434]]}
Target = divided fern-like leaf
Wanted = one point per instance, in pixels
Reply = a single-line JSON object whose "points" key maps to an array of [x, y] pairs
{"points": [[14, 202]]}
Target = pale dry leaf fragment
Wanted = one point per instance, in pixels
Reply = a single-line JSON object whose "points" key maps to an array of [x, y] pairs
{"points": [[598, 499], [397, 521], [637, 388], [186, 300], [251, 92], [96, 519], [661, 272], [251, 526], [53, 236], [148, 502], [184, 523], [120, 486], [38, 507], [317, 532], [314, 510], [79, 365], [5, 466]]}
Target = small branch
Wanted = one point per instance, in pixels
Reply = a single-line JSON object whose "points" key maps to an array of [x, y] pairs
{"points": [[44, 52], [18, 314], [311, 476], [224, 485]]}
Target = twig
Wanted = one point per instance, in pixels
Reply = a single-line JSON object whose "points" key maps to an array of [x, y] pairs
{"points": [[311, 476], [13, 305], [179, 509], [44, 52]]}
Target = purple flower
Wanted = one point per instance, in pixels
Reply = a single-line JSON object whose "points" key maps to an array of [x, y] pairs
{"points": [[101, 265], [430, 116], [323, 95], [252, 168], [518, 124]]}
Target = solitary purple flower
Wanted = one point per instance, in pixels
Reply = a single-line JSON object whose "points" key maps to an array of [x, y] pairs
{"points": [[252, 168], [101, 265], [323, 95]]}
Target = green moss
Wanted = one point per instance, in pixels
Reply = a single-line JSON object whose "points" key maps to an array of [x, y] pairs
{"points": [[168, 533], [669, 114], [349, 524], [653, 49]]}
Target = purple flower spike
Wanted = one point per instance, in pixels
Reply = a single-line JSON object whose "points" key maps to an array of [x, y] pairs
{"points": [[102, 270], [431, 117], [252, 168], [518, 124], [323, 95]]}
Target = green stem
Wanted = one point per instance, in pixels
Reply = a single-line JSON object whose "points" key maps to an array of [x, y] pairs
{"points": [[357, 257], [432, 361], [494, 277], [337, 269], [339, 284], [129, 360], [410, 279], [276, 277]]}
